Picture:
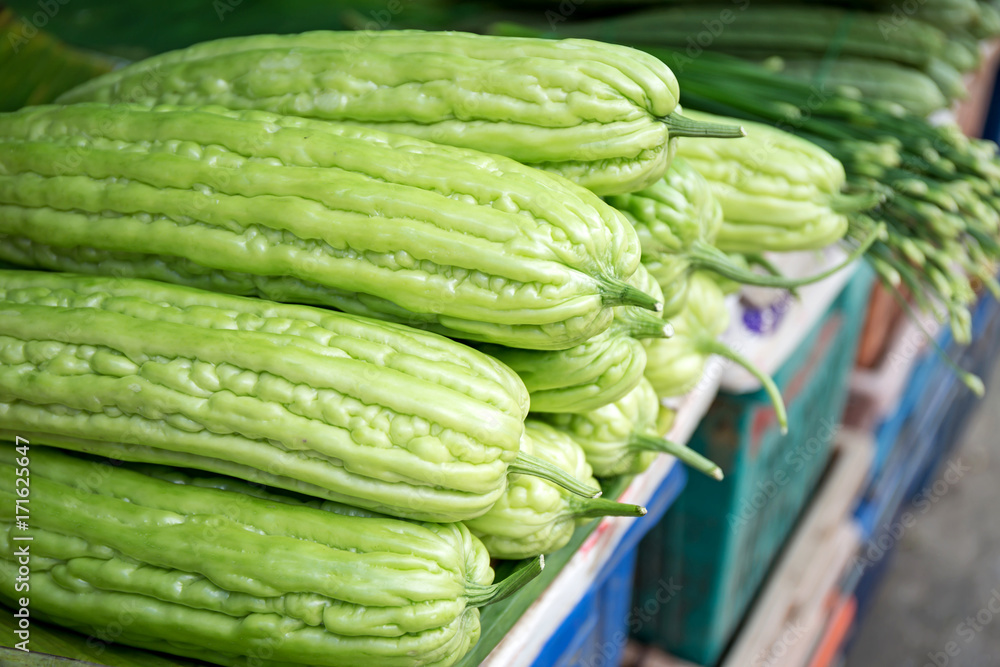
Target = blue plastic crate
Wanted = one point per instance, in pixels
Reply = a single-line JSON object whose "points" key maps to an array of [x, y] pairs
{"points": [[913, 459], [595, 632], [926, 372], [720, 538], [887, 432], [958, 404], [868, 583], [934, 421], [928, 420], [878, 503]]}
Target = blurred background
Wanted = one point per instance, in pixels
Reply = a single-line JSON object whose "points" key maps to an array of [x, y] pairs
{"points": [[885, 550]]}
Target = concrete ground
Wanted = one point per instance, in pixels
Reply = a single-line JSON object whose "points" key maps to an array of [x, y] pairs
{"points": [[939, 602]]}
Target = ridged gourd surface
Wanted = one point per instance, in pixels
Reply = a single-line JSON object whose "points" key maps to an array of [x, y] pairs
{"points": [[535, 516], [333, 405], [588, 110], [594, 373], [220, 574], [252, 203], [605, 434], [777, 190]]}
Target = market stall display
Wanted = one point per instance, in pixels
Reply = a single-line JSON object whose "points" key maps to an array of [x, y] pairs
{"points": [[391, 345]]}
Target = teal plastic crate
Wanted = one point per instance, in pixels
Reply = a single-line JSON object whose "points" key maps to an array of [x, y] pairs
{"points": [[720, 538]]}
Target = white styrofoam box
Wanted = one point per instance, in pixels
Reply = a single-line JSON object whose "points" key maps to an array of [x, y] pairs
{"points": [[768, 332]]}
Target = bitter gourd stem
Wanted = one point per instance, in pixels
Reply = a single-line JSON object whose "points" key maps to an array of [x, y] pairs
{"points": [[688, 127], [758, 259], [854, 203], [479, 596], [707, 345], [651, 443], [526, 464], [617, 293], [706, 256], [643, 324], [598, 507]]}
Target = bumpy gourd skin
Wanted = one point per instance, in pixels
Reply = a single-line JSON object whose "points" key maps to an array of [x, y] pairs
{"points": [[675, 366], [673, 213], [607, 433], [332, 405], [623, 438], [594, 373], [470, 245], [670, 217], [678, 220], [778, 192], [236, 578], [535, 516], [589, 111]]}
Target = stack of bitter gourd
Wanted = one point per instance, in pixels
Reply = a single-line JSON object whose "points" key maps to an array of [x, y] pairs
{"points": [[719, 208], [913, 55], [778, 193], [936, 216], [939, 187], [195, 236]]}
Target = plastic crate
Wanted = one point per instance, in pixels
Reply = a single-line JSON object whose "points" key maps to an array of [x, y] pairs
{"points": [[933, 386], [913, 460], [866, 591], [934, 419], [928, 421], [595, 632], [889, 429], [958, 402], [720, 538], [915, 454]]}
